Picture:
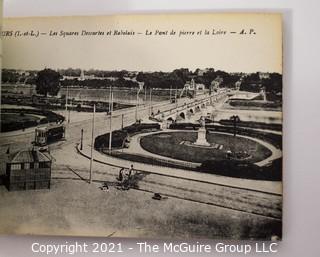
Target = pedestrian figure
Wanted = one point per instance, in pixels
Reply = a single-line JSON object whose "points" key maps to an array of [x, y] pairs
{"points": [[130, 171], [120, 176], [105, 185]]}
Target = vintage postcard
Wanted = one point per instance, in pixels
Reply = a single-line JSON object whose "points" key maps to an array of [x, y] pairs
{"points": [[144, 126]]}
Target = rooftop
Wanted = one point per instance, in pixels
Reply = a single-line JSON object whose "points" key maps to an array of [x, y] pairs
{"points": [[29, 156]]}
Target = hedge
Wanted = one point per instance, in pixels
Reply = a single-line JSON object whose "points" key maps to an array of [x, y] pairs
{"points": [[184, 126], [120, 136], [118, 139], [272, 138], [139, 127], [252, 124], [258, 104], [243, 169], [50, 117]]}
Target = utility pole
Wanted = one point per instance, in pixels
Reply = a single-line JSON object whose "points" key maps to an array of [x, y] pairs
{"points": [[67, 94], [122, 118], [150, 101], [176, 97], [110, 98], [110, 125], [235, 119], [81, 140], [145, 95], [69, 112], [92, 143], [136, 114]]}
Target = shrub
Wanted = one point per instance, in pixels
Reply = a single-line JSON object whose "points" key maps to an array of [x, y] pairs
{"points": [[118, 138], [16, 125], [252, 124], [138, 127], [258, 104], [188, 126], [243, 169], [272, 138]]}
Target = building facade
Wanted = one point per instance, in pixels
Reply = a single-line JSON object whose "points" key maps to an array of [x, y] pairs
{"points": [[28, 170]]}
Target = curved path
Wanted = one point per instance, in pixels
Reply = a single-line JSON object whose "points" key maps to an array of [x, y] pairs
{"points": [[135, 148], [273, 187]]}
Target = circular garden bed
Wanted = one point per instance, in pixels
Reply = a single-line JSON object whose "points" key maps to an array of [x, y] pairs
{"points": [[177, 145]]}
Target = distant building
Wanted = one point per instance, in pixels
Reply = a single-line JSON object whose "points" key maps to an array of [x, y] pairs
{"points": [[194, 86], [23, 72], [201, 72], [264, 75], [215, 84], [28, 170]]}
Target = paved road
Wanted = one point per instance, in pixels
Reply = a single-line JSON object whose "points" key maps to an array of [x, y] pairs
{"points": [[237, 199], [21, 139]]}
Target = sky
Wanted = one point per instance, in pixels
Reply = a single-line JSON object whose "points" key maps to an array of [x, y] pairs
{"points": [[231, 52]]}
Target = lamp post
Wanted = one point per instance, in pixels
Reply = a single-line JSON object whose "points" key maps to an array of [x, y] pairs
{"points": [[81, 140], [137, 101], [176, 97], [122, 120], [92, 143], [69, 113], [235, 119], [110, 128], [150, 101], [67, 95]]}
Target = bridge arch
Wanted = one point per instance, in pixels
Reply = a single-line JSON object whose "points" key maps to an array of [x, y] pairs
{"points": [[182, 115]]}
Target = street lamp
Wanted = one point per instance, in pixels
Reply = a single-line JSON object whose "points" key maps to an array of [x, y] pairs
{"points": [[66, 114], [92, 144], [136, 114], [235, 119], [150, 101], [110, 124], [141, 84]]}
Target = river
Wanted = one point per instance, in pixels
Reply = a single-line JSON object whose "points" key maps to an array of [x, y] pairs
{"points": [[120, 95]]}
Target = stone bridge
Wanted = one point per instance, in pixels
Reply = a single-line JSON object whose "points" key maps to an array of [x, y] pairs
{"points": [[188, 109]]}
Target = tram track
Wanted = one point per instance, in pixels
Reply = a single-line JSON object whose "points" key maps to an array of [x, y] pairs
{"points": [[243, 200]]}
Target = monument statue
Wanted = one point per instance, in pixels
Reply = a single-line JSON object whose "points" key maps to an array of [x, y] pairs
{"points": [[202, 140]]}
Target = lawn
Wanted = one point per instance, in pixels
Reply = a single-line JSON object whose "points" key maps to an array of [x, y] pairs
{"points": [[169, 145]]}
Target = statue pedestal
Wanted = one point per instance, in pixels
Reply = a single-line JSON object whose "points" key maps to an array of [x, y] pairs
{"points": [[201, 140]]}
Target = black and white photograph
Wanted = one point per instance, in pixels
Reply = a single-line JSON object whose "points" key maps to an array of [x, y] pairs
{"points": [[142, 126]]}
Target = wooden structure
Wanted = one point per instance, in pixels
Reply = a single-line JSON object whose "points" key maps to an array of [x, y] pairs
{"points": [[28, 170]]}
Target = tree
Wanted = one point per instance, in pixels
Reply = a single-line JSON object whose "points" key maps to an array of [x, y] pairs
{"points": [[48, 82]]}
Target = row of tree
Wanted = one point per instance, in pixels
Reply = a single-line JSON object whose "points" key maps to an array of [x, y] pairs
{"points": [[99, 83], [13, 77], [93, 72], [48, 81]]}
